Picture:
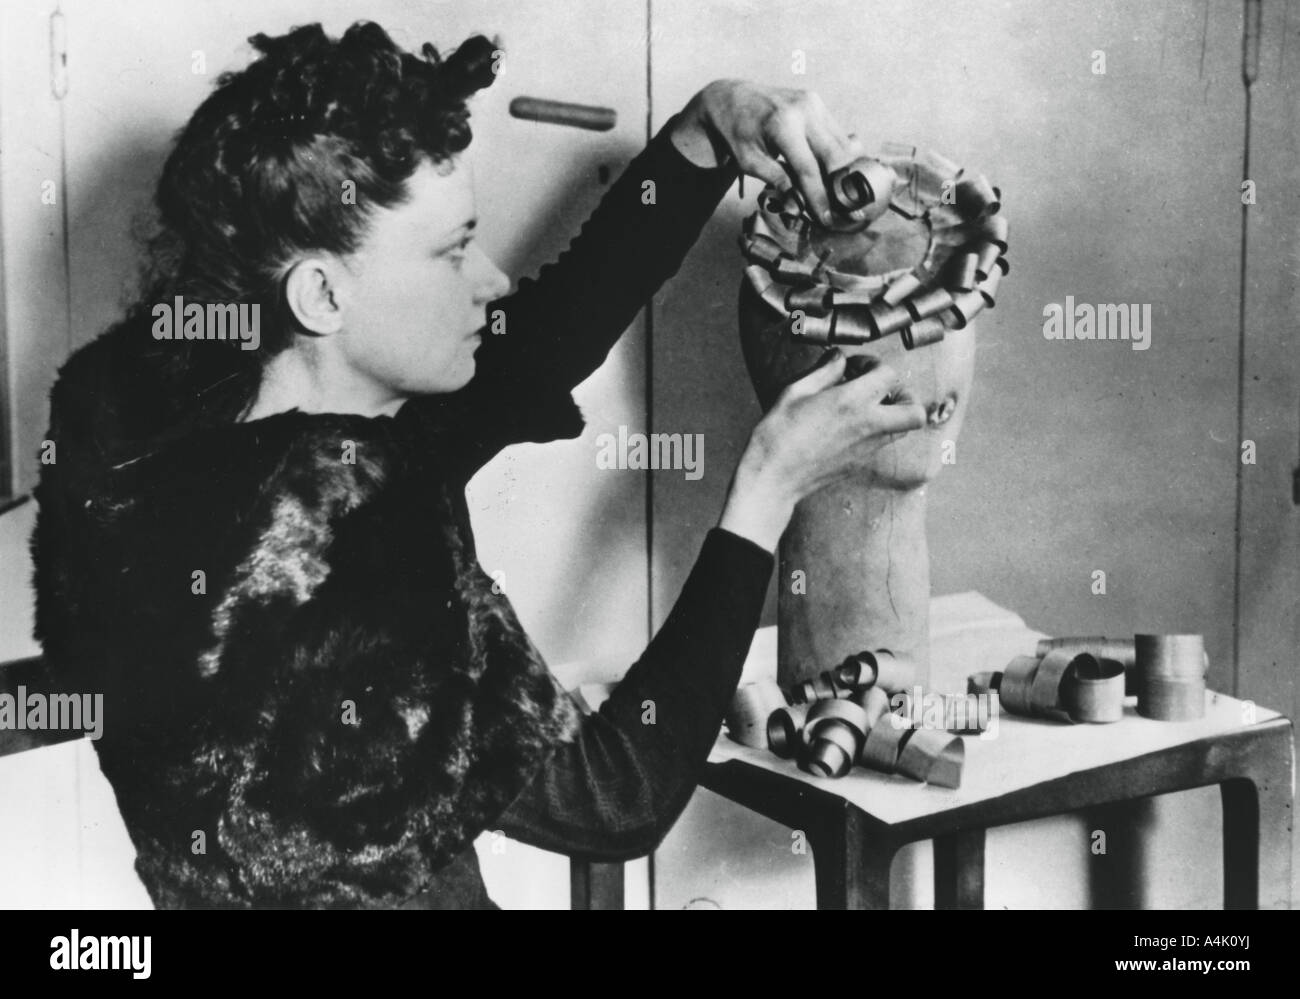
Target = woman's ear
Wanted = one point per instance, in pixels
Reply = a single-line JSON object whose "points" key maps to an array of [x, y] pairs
{"points": [[312, 292]]}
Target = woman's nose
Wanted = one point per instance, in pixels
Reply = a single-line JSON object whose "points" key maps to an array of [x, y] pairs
{"points": [[489, 281]]}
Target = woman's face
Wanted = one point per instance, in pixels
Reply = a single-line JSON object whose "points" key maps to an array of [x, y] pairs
{"points": [[414, 293]]}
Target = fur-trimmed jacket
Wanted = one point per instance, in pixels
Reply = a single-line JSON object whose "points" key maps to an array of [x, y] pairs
{"points": [[312, 695]]}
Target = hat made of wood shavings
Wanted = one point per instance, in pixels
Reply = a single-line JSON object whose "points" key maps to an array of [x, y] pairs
{"points": [[918, 247]]}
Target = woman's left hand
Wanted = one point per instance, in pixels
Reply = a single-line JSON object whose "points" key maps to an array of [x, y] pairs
{"points": [[754, 124]]}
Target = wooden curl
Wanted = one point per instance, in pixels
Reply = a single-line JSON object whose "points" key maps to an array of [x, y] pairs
{"points": [[763, 251], [929, 303], [968, 233], [1171, 700], [862, 190], [889, 318], [1045, 687], [751, 707], [854, 326], [1122, 650], [902, 288], [923, 333], [884, 744], [1094, 690], [983, 683], [793, 271], [989, 286], [849, 712], [822, 687], [834, 734], [856, 671], [815, 329], [995, 230], [1180, 657], [933, 756], [966, 267], [988, 254], [966, 306], [893, 673], [785, 730], [814, 300], [976, 198], [1016, 680], [875, 702], [830, 755], [1171, 676]]}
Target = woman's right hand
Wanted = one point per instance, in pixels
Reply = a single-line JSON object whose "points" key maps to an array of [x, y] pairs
{"points": [[818, 431]]}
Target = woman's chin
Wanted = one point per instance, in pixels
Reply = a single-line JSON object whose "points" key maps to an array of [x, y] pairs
{"points": [[450, 378], [463, 375]]}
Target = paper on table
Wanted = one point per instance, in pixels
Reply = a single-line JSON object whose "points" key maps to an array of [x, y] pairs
{"points": [[970, 633], [1025, 752]]}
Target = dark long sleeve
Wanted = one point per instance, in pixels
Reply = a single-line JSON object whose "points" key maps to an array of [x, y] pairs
{"points": [[561, 325], [616, 791]]}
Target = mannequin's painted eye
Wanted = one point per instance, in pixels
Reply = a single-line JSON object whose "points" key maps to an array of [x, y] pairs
{"points": [[939, 413]]}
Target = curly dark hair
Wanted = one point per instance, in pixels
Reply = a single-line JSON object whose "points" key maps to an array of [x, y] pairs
{"points": [[257, 177]]}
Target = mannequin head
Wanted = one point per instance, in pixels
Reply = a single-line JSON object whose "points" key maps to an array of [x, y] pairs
{"points": [[860, 543], [938, 376]]}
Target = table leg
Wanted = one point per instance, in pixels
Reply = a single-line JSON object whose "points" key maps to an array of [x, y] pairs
{"points": [[851, 866], [1119, 853], [959, 870], [1257, 825], [1240, 844], [595, 886]]}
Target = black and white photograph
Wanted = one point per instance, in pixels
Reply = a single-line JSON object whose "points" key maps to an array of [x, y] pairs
{"points": [[650, 455]]}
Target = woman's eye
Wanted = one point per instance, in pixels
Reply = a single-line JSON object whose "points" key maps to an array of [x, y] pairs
{"points": [[457, 254]]}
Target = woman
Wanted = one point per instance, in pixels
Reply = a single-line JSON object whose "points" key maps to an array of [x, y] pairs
{"points": [[313, 696]]}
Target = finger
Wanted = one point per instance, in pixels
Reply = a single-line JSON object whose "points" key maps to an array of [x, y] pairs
{"points": [[756, 163], [877, 384], [830, 145], [802, 164], [829, 371], [899, 417]]}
